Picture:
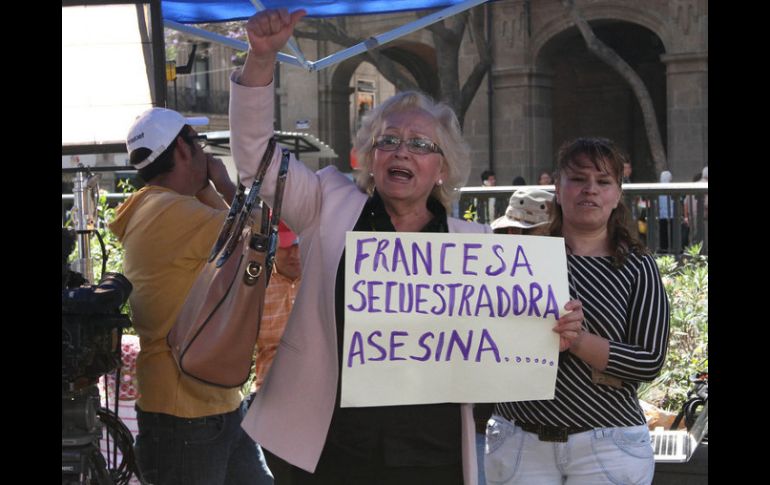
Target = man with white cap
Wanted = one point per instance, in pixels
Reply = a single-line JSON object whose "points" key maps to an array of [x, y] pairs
{"points": [[189, 432]]}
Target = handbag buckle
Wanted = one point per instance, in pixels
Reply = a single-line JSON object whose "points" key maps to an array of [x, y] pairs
{"points": [[251, 275]]}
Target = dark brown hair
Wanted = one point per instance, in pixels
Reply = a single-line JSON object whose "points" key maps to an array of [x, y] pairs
{"points": [[604, 155]]}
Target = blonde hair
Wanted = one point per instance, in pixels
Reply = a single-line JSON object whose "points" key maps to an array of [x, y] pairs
{"points": [[449, 137]]}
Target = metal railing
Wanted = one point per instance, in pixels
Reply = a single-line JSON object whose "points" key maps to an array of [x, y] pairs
{"points": [[642, 199], [685, 207]]}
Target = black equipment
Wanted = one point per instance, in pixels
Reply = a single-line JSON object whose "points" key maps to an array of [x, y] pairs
{"points": [[92, 325]]}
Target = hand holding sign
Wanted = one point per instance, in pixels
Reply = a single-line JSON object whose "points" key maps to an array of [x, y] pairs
{"points": [[570, 325]]}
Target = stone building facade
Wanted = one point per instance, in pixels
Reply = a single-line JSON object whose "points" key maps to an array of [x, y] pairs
{"points": [[546, 87]]}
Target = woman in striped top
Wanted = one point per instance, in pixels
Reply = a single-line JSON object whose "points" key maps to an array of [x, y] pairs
{"points": [[593, 431]]}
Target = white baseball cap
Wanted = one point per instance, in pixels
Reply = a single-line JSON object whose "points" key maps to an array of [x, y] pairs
{"points": [[155, 130]]}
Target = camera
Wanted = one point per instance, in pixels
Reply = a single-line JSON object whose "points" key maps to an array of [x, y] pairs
{"points": [[91, 323], [91, 329]]}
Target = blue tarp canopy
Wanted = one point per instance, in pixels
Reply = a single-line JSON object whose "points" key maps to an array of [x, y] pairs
{"points": [[178, 13], [203, 11]]}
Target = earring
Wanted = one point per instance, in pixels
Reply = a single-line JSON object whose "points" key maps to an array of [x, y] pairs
{"points": [[440, 182], [371, 174]]}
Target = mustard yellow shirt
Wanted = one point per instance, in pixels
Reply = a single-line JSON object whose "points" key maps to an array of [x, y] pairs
{"points": [[167, 238]]}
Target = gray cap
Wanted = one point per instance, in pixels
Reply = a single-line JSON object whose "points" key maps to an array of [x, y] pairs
{"points": [[527, 208]]}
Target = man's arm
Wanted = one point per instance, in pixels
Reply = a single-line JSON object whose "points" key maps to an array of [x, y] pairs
{"points": [[217, 174]]}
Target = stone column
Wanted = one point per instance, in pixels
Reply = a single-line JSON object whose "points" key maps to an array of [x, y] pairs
{"points": [[523, 122], [522, 97], [687, 93], [334, 109]]}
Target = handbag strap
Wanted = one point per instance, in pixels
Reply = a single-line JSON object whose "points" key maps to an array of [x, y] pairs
{"points": [[224, 234], [275, 217], [245, 210]]}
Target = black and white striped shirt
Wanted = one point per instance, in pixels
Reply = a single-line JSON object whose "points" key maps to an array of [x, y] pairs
{"points": [[630, 308]]}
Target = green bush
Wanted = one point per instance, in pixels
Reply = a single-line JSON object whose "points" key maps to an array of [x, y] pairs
{"points": [[113, 248], [686, 282]]}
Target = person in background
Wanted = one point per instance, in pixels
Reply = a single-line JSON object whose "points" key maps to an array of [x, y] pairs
{"points": [[488, 178], [689, 210], [594, 430], [692, 209], [471, 213], [518, 181], [412, 158], [627, 171], [527, 212], [665, 213], [635, 204], [495, 205], [545, 178], [279, 300], [189, 432]]}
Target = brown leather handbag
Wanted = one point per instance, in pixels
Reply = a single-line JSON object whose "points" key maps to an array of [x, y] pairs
{"points": [[215, 333]]}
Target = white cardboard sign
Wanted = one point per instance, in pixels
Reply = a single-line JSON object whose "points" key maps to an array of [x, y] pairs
{"points": [[433, 318]]}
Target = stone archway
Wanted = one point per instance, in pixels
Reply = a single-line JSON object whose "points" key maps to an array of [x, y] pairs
{"points": [[417, 59], [588, 98]]}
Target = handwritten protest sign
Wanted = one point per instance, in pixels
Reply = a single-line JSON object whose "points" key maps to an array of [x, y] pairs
{"points": [[451, 317]]}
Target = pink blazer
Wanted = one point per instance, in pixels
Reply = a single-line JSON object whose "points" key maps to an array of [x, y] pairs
{"points": [[292, 411]]}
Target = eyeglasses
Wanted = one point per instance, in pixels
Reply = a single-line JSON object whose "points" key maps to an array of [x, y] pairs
{"points": [[418, 146], [201, 139]]}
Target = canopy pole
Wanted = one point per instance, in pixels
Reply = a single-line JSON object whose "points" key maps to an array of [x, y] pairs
{"points": [[226, 41], [378, 40]]}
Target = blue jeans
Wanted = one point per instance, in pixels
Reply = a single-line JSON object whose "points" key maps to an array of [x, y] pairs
{"points": [[212, 450], [602, 456]]}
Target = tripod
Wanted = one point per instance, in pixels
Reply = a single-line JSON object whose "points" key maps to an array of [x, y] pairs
{"points": [[81, 460], [82, 424]]}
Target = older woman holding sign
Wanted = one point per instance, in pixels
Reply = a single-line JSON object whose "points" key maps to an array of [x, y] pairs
{"points": [[594, 431], [411, 156]]}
